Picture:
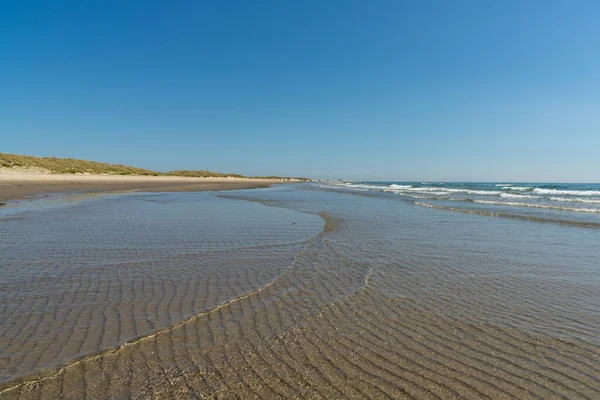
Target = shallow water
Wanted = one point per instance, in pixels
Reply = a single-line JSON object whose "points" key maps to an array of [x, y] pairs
{"points": [[230, 297], [79, 278]]}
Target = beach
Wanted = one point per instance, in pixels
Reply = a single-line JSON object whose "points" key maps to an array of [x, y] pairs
{"points": [[295, 291], [300, 200]]}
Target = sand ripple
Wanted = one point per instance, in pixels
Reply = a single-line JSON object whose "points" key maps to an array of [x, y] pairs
{"points": [[340, 320]]}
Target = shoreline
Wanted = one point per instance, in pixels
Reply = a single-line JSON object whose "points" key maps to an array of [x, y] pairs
{"points": [[17, 186], [221, 295]]}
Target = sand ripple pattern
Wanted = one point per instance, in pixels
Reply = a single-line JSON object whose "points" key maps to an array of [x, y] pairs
{"points": [[90, 277], [356, 316]]}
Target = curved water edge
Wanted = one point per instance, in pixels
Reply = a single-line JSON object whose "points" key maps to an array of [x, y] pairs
{"points": [[329, 225], [180, 268]]}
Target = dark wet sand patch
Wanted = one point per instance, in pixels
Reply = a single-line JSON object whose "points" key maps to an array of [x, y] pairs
{"points": [[14, 190]]}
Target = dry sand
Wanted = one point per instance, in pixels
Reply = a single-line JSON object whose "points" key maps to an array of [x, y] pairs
{"points": [[16, 185]]}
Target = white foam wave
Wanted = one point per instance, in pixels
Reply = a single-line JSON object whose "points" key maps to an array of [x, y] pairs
{"points": [[362, 186], [396, 187], [518, 196], [419, 196], [478, 192], [426, 195], [567, 192], [351, 186], [575, 200], [403, 188], [508, 190], [544, 206]]}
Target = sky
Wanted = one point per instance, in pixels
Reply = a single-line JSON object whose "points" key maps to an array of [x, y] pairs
{"points": [[363, 90]]}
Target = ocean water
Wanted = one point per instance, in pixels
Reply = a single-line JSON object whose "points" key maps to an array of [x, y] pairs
{"points": [[571, 203], [340, 290]]}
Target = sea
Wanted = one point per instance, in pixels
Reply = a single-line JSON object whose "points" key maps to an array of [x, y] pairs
{"points": [[567, 203], [315, 290]]}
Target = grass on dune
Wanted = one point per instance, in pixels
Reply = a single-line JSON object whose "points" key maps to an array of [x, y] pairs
{"points": [[56, 165], [69, 165]]}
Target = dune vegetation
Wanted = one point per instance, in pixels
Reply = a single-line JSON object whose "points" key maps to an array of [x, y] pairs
{"points": [[54, 165]]}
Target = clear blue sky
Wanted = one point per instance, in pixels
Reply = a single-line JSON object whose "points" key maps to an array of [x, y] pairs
{"points": [[420, 90]]}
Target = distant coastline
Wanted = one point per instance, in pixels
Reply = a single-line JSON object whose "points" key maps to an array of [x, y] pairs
{"points": [[23, 176], [53, 165]]}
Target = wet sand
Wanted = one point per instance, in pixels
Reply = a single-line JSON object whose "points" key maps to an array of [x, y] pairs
{"points": [[14, 186], [67, 292], [340, 308]]}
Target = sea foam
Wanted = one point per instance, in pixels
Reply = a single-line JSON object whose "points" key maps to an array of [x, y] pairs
{"points": [[544, 206], [575, 200], [567, 192], [518, 196]]}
